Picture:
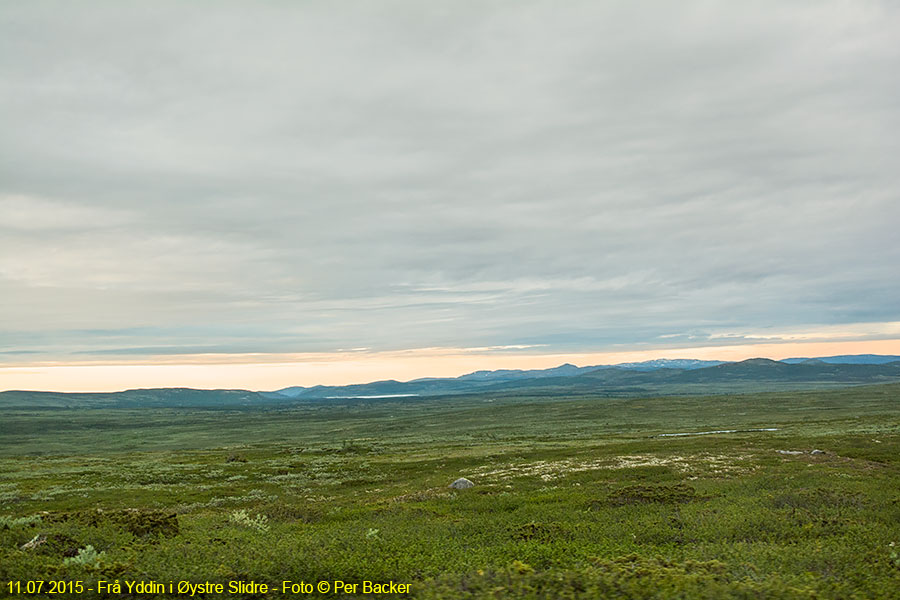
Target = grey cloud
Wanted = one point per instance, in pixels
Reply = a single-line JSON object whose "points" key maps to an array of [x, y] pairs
{"points": [[400, 175]]}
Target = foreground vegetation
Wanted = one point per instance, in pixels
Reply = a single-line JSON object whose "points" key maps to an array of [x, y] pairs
{"points": [[572, 498]]}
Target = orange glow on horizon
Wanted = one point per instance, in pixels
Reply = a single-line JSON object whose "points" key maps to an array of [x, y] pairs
{"points": [[276, 371]]}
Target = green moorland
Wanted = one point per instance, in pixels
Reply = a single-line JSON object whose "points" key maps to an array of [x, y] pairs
{"points": [[573, 498]]}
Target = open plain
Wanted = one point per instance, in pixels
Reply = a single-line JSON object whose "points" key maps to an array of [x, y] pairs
{"points": [[573, 498]]}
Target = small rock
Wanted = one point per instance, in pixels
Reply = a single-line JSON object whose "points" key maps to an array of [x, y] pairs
{"points": [[461, 484], [35, 542], [817, 452], [789, 452]]}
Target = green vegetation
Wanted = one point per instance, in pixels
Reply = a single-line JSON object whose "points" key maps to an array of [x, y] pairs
{"points": [[576, 498]]}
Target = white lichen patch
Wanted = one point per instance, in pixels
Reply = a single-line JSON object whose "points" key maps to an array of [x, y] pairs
{"points": [[692, 465]]}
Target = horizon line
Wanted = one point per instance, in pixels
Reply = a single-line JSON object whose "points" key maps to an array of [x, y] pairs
{"points": [[271, 372]]}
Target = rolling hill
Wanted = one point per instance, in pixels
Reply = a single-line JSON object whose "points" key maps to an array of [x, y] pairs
{"points": [[661, 378]]}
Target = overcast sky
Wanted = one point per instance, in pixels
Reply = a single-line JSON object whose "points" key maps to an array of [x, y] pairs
{"points": [[184, 179]]}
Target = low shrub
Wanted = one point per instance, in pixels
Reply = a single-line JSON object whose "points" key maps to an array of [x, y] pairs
{"points": [[653, 494]]}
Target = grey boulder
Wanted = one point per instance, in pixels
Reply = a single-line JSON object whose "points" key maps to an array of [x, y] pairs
{"points": [[461, 484]]}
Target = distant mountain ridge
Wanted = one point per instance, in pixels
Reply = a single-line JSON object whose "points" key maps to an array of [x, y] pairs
{"points": [[563, 370], [669, 363], [849, 359], [658, 377], [425, 385]]}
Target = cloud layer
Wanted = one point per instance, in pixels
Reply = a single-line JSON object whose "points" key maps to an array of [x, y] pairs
{"points": [[308, 177]]}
